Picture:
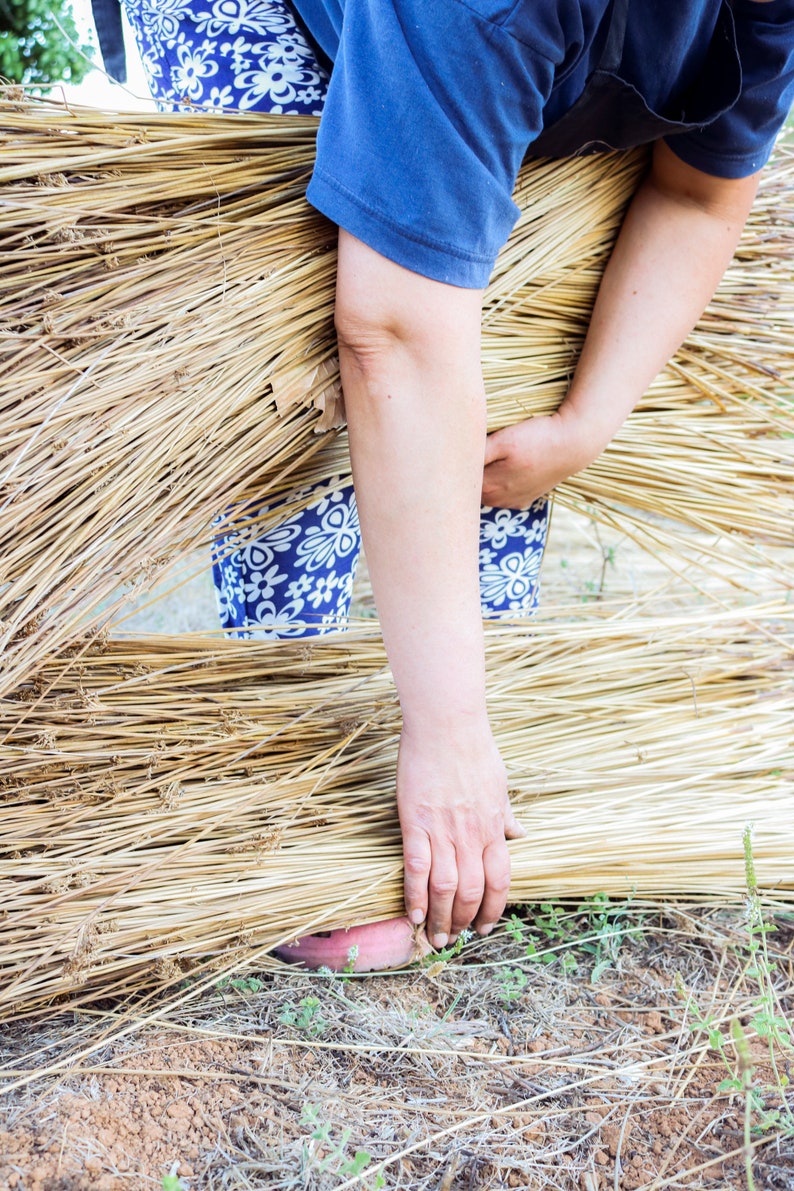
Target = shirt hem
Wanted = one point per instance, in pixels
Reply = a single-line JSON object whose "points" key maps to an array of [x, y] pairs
{"points": [[720, 165], [419, 254]]}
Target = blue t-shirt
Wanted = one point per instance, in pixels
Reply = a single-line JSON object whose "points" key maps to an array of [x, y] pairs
{"points": [[433, 105]]}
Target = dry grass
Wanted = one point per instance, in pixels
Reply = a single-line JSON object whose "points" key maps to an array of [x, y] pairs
{"points": [[132, 416], [170, 799], [597, 1065], [175, 805]]}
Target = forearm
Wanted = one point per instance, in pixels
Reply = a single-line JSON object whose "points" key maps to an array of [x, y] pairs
{"points": [[678, 238], [416, 416]]}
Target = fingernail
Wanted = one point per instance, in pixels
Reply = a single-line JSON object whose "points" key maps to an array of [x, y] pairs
{"points": [[439, 941], [486, 930], [417, 917]]}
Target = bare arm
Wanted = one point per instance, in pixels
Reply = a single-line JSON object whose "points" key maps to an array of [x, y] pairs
{"points": [[678, 238], [409, 354]]}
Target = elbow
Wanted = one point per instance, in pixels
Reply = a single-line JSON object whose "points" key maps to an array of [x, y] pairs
{"points": [[726, 199], [388, 318], [365, 336]]}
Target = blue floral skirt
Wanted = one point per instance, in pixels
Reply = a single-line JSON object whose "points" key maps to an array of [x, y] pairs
{"points": [[296, 579]]}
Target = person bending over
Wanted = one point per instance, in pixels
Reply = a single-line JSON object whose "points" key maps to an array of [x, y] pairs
{"points": [[430, 110]]}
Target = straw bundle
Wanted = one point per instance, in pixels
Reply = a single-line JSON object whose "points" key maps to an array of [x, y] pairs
{"points": [[168, 351], [167, 800], [167, 340]]}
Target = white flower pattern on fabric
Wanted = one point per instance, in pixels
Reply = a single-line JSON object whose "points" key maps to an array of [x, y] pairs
{"points": [[509, 581], [238, 54], [295, 579], [337, 535], [504, 524], [236, 16], [195, 64], [512, 542]]}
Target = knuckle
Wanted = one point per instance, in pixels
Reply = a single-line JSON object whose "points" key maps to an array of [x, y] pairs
{"points": [[470, 894], [416, 865], [500, 883], [443, 886]]}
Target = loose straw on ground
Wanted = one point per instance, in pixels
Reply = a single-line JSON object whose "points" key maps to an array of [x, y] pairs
{"points": [[168, 351]]}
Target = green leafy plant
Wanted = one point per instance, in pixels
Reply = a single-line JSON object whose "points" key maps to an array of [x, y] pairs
{"points": [[306, 1017], [329, 1155], [445, 954], [769, 1022], [765, 1107], [597, 930], [39, 43], [512, 982], [246, 984]]}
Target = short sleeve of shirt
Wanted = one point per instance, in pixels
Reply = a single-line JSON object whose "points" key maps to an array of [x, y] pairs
{"points": [[430, 109], [740, 141]]}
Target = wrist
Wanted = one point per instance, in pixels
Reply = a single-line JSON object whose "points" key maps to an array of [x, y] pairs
{"points": [[465, 733], [451, 717], [587, 430]]}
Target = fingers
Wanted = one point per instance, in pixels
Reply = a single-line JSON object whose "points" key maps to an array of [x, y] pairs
{"points": [[451, 892], [495, 447], [496, 864], [444, 879], [455, 816], [469, 892], [513, 829], [416, 863]]}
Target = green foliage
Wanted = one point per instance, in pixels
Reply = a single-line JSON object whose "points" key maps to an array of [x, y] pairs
{"points": [[328, 1155], [306, 1017], [765, 1106], [592, 933], [39, 44], [512, 982], [241, 984], [445, 954]]}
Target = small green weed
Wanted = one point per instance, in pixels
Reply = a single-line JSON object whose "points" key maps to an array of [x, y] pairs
{"points": [[595, 931], [447, 953], [329, 1156], [512, 982], [243, 984], [768, 1022], [347, 972], [306, 1017]]}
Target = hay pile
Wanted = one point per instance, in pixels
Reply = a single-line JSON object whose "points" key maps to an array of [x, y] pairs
{"points": [[165, 285], [171, 799], [167, 351]]}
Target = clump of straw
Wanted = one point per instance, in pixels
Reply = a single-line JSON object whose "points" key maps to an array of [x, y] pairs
{"points": [[168, 351], [168, 354], [168, 800]]}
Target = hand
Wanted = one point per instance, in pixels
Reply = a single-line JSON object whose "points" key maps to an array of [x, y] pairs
{"points": [[455, 816], [525, 461]]}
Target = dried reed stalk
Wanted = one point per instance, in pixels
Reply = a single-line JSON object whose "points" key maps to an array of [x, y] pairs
{"points": [[165, 286], [170, 799]]}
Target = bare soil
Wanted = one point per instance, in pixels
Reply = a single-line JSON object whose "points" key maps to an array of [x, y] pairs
{"points": [[601, 1064]]}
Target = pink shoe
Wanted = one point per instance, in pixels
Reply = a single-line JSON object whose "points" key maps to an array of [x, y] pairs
{"points": [[378, 946]]}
